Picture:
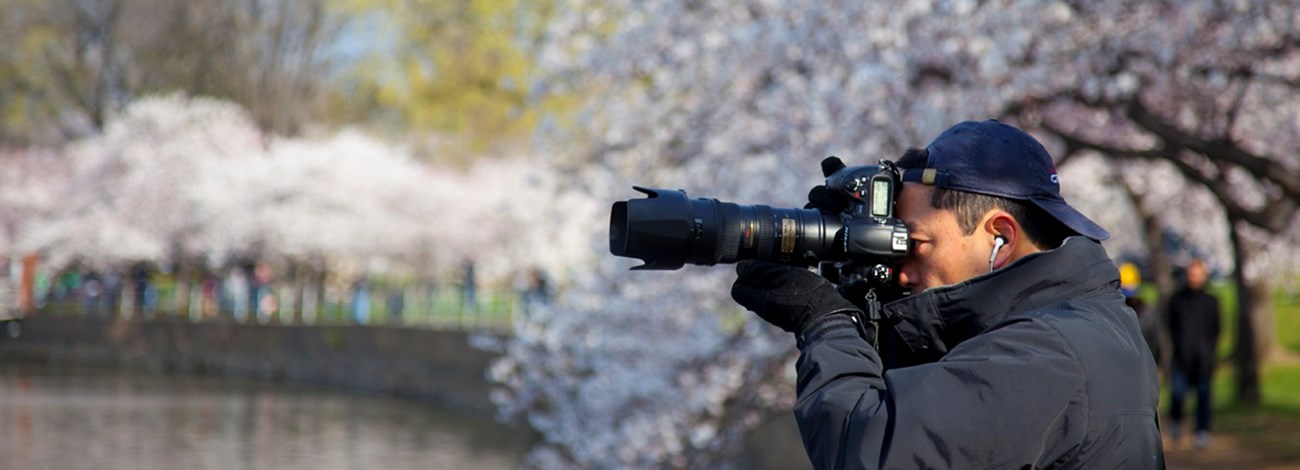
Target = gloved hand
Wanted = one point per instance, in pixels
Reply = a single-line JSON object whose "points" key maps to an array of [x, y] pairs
{"points": [[788, 297], [828, 201]]}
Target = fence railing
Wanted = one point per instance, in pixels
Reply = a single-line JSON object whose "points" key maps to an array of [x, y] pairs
{"points": [[444, 309]]}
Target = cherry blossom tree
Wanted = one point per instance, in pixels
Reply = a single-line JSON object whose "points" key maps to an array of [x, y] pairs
{"points": [[131, 194], [353, 199], [190, 184], [25, 175], [30, 189]]}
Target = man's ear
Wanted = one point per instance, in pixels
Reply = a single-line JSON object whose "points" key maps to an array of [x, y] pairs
{"points": [[1000, 224]]}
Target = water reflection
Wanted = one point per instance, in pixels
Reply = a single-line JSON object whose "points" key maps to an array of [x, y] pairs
{"points": [[95, 419]]}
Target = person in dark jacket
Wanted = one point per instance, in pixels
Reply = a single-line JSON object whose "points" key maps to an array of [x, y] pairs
{"points": [[1025, 355], [1193, 319]]}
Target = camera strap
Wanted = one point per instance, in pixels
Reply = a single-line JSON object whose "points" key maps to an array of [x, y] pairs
{"points": [[868, 320]]}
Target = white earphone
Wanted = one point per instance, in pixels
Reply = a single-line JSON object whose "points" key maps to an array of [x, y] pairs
{"points": [[998, 241]]}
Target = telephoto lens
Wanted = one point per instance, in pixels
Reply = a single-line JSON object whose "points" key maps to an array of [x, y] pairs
{"points": [[667, 230]]}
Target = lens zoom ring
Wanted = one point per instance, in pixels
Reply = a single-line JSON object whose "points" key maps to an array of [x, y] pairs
{"points": [[766, 235], [732, 228]]}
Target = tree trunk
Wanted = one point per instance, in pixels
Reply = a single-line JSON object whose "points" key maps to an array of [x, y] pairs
{"points": [[1245, 356], [1161, 269], [1262, 320], [321, 278], [297, 275]]}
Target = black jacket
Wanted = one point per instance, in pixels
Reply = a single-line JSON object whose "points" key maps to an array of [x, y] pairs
{"points": [[1194, 327], [1042, 366]]}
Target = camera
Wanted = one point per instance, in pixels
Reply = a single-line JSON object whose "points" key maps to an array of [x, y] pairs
{"points": [[857, 248]]}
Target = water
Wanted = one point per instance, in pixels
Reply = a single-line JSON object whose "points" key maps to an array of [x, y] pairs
{"points": [[92, 419]]}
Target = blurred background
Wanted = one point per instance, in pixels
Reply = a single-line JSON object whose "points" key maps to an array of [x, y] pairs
{"points": [[233, 231]]}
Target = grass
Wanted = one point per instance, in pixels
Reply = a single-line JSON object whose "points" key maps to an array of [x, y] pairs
{"points": [[1271, 427], [1286, 311], [1227, 295]]}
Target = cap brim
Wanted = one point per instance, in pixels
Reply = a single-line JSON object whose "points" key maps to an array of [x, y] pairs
{"points": [[1072, 218]]}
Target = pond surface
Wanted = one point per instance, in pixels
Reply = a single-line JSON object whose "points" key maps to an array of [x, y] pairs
{"points": [[96, 419]]}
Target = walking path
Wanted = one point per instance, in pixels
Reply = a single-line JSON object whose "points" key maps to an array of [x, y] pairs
{"points": [[1224, 452], [1227, 451]]}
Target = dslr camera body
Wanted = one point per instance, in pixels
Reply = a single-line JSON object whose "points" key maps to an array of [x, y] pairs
{"points": [[856, 244]]}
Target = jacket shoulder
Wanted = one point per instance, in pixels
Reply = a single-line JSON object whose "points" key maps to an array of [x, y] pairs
{"points": [[1106, 338]]}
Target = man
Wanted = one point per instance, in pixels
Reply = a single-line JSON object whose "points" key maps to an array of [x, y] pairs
{"points": [[1039, 362], [1193, 319]]}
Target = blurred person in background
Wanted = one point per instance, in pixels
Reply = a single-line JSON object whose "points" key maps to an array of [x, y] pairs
{"points": [[468, 287], [1130, 279], [361, 300], [1193, 319]]}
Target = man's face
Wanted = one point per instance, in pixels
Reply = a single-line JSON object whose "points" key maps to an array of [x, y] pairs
{"points": [[941, 253], [1196, 276]]}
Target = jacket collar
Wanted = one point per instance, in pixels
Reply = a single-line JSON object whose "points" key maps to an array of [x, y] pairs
{"points": [[937, 320]]}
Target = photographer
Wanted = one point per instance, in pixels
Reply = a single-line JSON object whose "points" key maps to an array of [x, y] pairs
{"points": [[1032, 357]]}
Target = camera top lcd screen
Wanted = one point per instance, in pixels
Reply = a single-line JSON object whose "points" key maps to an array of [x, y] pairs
{"points": [[880, 197]]}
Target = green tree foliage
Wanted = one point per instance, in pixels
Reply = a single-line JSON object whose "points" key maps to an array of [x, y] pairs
{"points": [[68, 64], [41, 59], [461, 67]]}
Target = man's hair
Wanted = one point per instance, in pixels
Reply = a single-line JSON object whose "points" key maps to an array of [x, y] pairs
{"points": [[1040, 227]]}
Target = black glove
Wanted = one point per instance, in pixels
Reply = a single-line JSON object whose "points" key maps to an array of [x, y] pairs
{"points": [[788, 297], [828, 201]]}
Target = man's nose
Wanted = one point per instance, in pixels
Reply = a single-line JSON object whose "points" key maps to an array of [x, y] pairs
{"points": [[904, 279]]}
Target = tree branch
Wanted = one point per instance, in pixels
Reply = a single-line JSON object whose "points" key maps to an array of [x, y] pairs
{"points": [[1219, 149], [1272, 217], [1235, 110]]}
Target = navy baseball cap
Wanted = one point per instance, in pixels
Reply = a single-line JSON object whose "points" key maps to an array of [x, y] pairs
{"points": [[1000, 160]]}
